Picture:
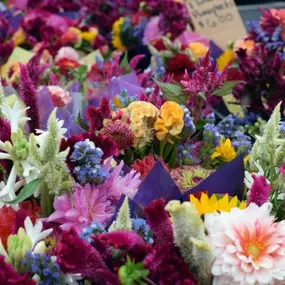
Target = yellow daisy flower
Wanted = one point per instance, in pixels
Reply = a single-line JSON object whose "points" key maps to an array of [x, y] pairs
{"points": [[210, 205], [116, 35], [225, 151], [90, 35], [227, 57]]}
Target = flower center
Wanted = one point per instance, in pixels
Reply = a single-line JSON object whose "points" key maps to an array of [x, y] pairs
{"points": [[253, 250]]}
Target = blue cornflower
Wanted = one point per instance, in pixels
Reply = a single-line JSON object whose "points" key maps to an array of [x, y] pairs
{"points": [[142, 228], [211, 134], [41, 264], [188, 122], [242, 143], [93, 229], [88, 158]]}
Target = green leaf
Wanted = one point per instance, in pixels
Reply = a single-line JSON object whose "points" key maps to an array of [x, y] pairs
{"points": [[82, 69], [26, 192], [227, 88], [173, 92], [201, 123], [202, 95], [125, 64], [79, 120]]}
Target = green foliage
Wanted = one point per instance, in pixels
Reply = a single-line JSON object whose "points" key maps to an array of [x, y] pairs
{"points": [[125, 64], [227, 88], [26, 192], [173, 92], [132, 273], [80, 121]]}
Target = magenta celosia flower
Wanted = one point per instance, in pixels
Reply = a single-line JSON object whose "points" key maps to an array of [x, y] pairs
{"points": [[204, 79], [260, 190], [5, 130], [74, 255], [120, 132], [87, 204], [118, 184], [9, 276], [28, 95], [159, 222]]}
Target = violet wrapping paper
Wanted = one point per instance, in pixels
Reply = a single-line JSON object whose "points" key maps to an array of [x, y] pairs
{"points": [[157, 184], [215, 50], [45, 109], [128, 81], [228, 179]]}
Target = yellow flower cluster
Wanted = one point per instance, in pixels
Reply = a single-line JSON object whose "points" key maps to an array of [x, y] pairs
{"points": [[76, 36], [170, 122], [208, 205], [142, 116], [198, 49], [116, 35], [19, 37], [90, 35], [227, 57], [225, 151]]}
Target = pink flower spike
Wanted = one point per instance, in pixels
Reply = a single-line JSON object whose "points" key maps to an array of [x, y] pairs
{"points": [[260, 190]]}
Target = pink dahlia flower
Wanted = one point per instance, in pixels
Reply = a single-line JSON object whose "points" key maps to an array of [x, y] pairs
{"points": [[118, 184], [67, 53], [86, 205], [152, 31], [59, 97], [248, 246]]}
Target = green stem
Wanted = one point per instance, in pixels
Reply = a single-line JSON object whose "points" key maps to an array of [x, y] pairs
{"points": [[161, 148], [46, 202], [148, 281]]}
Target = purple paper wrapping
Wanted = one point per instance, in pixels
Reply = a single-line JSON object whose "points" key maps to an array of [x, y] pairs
{"points": [[128, 81], [215, 50], [157, 184], [46, 107], [229, 179]]}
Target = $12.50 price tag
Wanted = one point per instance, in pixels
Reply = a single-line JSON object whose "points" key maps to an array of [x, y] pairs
{"points": [[219, 20]]}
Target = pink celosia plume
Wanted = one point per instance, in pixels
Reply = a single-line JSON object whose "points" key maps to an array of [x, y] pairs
{"points": [[260, 191]]}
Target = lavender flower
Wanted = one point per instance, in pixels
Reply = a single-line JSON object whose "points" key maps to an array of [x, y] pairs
{"points": [[42, 265], [89, 168], [186, 154], [227, 126], [242, 143], [188, 122], [211, 134]]}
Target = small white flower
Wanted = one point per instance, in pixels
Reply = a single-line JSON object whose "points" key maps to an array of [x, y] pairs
{"points": [[15, 115], [31, 172], [71, 279], [34, 232]]}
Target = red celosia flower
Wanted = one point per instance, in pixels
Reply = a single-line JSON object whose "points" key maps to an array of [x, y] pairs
{"points": [[120, 132], [144, 166], [76, 255], [178, 64], [260, 191], [34, 67], [5, 130], [8, 276], [96, 115], [28, 95], [159, 222], [269, 22], [159, 45], [6, 49]]}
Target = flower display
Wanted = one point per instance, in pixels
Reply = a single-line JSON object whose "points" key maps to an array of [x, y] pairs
{"points": [[135, 151]]}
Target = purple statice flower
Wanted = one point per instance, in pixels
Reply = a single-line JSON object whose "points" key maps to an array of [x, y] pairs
{"points": [[211, 134], [42, 265], [242, 143], [88, 159], [204, 79]]}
